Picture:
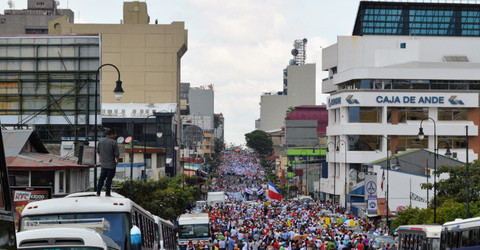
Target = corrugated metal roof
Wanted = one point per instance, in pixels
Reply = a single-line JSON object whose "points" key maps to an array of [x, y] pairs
{"points": [[40, 161], [14, 140]]}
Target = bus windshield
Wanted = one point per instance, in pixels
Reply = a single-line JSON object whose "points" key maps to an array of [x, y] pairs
{"points": [[118, 232], [194, 231]]}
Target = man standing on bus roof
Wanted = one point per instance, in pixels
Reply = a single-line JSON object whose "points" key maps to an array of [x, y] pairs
{"points": [[107, 151]]}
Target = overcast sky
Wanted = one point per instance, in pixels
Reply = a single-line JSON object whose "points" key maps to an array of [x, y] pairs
{"points": [[239, 46]]}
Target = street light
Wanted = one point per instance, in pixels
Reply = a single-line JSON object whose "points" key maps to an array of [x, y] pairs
{"points": [[421, 136], [397, 164], [346, 167], [118, 93], [334, 170], [159, 135]]}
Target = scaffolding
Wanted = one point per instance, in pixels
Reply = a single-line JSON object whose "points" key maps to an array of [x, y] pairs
{"points": [[48, 82]]}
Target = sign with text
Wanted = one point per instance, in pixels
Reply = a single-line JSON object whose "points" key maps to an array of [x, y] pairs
{"points": [[403, 99], [21, 197]]}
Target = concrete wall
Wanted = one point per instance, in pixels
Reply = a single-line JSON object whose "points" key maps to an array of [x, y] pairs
{"points": [[148, 57], [301, 133], [201, 102], [34, 19], [272, 111]]}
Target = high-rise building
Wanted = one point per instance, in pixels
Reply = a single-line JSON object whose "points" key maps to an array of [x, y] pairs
{"points": [[298, 89], [34, 19], [405, 66]]}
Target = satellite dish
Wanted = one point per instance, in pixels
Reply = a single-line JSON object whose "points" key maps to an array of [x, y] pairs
{"points": [[10, 4], [294, 52], [305, 40], [57, 3], [120, 139], [128, 140], [297, 44], [292, 62]]}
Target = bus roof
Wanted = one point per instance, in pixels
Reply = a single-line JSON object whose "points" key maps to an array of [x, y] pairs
{"points": [[158, 219], [186, 219], [431, 231], [462, 223], [39, 237], [81, 203]]}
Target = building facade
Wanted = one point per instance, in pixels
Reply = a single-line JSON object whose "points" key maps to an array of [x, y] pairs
{"points": [[48, 82], [34, 19], [298, 89], [405, 63]]}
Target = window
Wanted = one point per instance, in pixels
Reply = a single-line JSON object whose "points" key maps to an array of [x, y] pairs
{"points": [[409, 142], [365, 114], [43, 178], [410, 114], [452, 141], [364, 142], [452, 114], [403, 45]]}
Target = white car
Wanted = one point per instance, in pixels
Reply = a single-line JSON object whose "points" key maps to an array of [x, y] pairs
{"points": [[64, 238]]}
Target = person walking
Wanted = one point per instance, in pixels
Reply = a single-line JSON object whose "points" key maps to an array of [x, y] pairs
{"points": [[107, 151]]}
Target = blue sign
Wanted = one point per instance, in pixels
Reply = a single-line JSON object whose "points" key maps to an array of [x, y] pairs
{"points": [[335, 101]]}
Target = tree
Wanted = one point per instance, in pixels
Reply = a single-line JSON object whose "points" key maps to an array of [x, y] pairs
{"points": [[166, 197], [289, 110], [219, 145], [259, 141]]}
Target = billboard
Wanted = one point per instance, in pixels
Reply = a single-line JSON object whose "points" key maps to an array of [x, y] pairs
{"points": [[23, 196]]}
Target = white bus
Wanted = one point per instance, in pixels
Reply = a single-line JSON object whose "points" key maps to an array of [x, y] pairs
{"points": [[167, 237], [62, 238], [193, 227], [421, 237], [461, 234], [121, 213]]}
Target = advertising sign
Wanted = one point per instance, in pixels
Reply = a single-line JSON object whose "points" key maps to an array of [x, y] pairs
{"points": [[404, 99], [23, 196]]}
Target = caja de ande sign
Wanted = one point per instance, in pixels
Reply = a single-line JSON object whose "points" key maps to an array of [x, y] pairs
{"points": [[411, 99]]}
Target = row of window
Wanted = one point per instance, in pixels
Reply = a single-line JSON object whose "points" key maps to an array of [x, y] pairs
{"points": [[440, 21], [374, 142], [400, 114], [381, 84]]}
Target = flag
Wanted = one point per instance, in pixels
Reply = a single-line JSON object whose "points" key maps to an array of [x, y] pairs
{"points": [[383, 178], [273, 192]]}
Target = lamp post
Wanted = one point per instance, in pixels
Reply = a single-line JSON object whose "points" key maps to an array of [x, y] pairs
{"points": [[306, 176], [334, 170], [467, 175], [118, 92], [159, 135], [346, 168], [421, 136], [397, 164]]}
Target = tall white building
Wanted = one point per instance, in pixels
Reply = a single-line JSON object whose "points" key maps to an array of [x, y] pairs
{"points": [[404, 63], [298, 89]]}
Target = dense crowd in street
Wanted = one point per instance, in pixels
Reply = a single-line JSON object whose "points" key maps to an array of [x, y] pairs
{"points": [[286, 224]]}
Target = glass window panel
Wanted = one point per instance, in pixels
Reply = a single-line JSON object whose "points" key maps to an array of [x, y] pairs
{"points": [[364, 142], [354, 114], [401, 84]]}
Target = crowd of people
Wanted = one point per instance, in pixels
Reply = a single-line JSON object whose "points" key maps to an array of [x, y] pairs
{"points": [[279, 225]]}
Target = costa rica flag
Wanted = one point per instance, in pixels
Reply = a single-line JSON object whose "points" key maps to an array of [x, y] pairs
{"points": [[273, 192]]}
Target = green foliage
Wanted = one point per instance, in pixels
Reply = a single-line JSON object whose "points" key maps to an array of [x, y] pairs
{"points": [[289, 110], [216, 122], [166, 197], [259, 141], [412, 216], [219, 146]]}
